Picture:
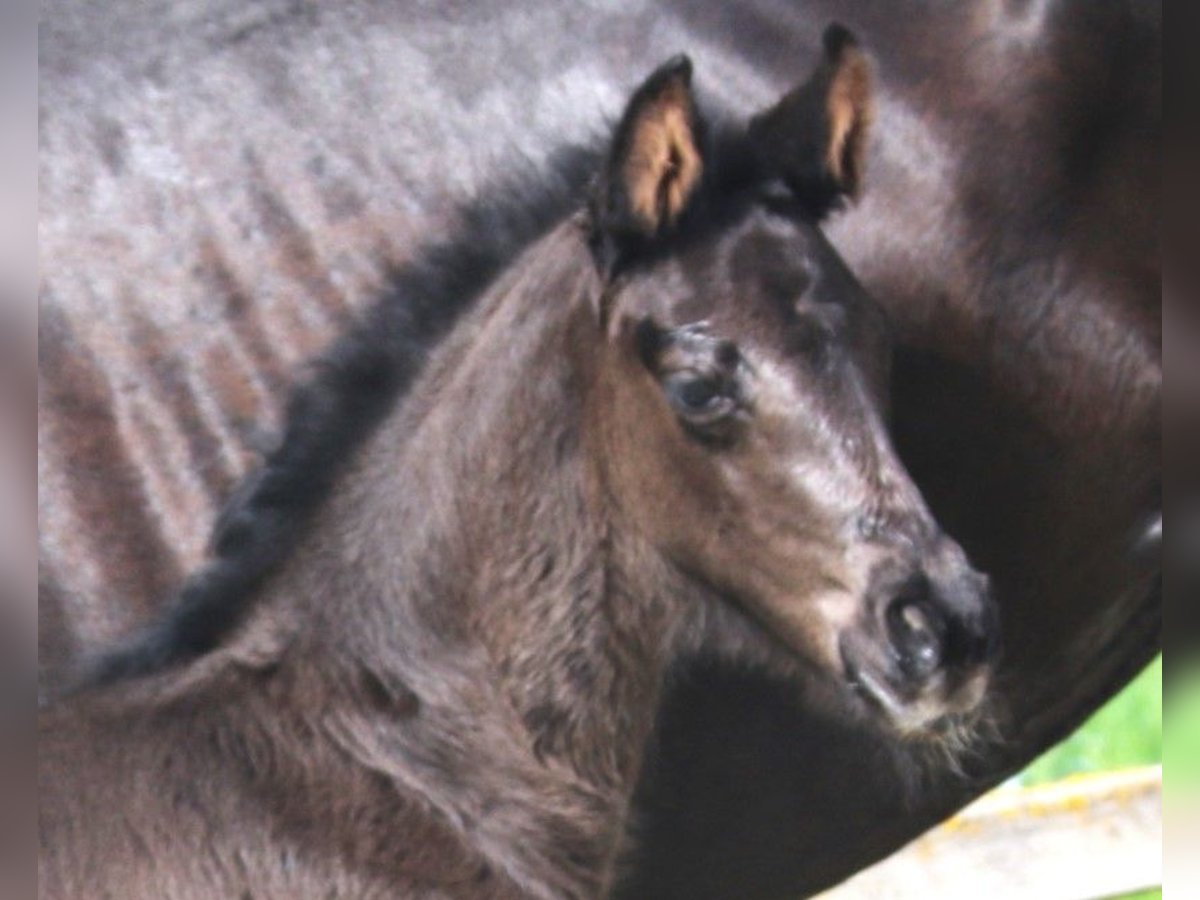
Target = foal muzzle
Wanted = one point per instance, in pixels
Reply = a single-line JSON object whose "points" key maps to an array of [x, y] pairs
{"points": [[925, 645]]}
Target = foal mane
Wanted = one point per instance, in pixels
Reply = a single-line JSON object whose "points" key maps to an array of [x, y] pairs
{"points": [[353, 386], [348, 392]]}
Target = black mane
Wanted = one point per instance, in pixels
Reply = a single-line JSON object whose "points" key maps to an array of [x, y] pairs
{"points": [[351, 388], [369, 369]]}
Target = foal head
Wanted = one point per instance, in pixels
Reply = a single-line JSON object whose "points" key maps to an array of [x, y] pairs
{"points": [[743, 388]]}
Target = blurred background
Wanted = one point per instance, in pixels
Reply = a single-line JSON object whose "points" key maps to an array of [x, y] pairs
{"points": [[18, 491], [1082, 822]]}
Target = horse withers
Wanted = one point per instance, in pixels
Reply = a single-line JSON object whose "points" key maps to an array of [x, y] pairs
{"points": [[660, 432]]}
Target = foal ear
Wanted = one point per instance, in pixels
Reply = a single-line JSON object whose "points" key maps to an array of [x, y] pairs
{"points": [[654, 164], [815, 138]]}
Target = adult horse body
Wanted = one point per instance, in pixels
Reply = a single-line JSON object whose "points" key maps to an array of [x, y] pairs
{"points": [[659, 428], [1009, 230]]}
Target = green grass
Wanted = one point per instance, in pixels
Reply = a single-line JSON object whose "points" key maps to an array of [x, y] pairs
{"points": [[1126, 732], [1181, 750]]}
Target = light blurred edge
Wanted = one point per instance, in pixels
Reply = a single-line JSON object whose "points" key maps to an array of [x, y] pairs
{"points": [[1087, 837]]}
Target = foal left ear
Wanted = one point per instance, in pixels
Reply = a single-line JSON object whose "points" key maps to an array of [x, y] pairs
{"points": [[654, 165], [815, 138]]}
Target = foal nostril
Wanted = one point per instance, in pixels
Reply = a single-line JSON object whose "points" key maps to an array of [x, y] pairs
{"points": [[918, 635]]}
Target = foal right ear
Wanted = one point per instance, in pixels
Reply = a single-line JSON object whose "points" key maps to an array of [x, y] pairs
{"points": [[815, 138], [654, 165]]}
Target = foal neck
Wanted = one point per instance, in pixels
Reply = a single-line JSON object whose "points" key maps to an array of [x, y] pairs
{"points": [[469, 571]]}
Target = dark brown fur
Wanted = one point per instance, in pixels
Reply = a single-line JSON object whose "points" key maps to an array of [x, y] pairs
{"points": [[1008, 227], [447, 687]]}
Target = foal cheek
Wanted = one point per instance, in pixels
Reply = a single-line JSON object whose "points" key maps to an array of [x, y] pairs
{"points": [[657, 480], [771, 541]]}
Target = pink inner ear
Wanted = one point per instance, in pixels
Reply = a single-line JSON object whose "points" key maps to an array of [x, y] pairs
{"points": [[663, 165], [815, 136], [850, 110]]}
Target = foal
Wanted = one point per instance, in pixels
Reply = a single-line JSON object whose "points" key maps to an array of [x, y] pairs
{"points": [[658, 433]]}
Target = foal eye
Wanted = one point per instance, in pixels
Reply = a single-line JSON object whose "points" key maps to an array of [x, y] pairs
{"points": [[699, 393], [700, 398]]}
